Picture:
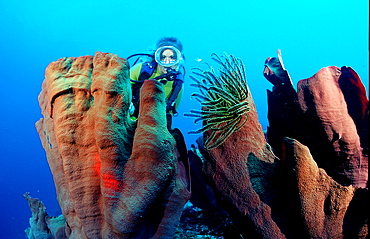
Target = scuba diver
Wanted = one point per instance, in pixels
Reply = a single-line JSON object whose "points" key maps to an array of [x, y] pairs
{"points": [[165, 64]]}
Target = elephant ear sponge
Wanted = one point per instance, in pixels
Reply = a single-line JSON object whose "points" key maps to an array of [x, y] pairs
{"points": [[223, 98]]}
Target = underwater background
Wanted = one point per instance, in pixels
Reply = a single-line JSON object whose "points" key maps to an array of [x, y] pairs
{"points": [[310, 34]]}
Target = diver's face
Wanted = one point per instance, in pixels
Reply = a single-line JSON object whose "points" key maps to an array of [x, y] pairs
{"points": [[168, 56]]}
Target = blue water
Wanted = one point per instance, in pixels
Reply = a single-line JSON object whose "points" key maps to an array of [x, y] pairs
{"points": [[311, 35]]}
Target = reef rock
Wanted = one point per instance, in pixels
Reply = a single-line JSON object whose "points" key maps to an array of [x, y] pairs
{"points": [[333, 137], [293, 195], [42, 226], [226, 169], [329, 114], [115, 178], [313, 203]]}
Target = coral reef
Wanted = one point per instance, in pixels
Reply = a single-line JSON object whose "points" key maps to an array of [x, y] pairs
{"points": [[118, 178], [226, 168], [293, 194], [42, 226], [115, 178], [329, 114], [323, 206]]}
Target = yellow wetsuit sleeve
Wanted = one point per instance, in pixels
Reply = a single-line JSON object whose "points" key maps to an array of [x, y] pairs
{"points": [[135, 72]]}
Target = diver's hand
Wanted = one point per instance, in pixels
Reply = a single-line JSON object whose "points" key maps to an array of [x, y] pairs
{"points": [[172, 75]]}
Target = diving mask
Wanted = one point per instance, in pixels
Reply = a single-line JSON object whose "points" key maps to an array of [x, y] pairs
{"points": [[168, 56]]}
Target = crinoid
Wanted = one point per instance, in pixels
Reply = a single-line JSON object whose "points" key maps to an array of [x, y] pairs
{"points": [[222, 97]]}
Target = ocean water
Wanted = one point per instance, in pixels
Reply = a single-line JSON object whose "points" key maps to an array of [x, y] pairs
{"points": [[310, 34]]}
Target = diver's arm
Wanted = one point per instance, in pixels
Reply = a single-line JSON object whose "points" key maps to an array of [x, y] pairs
{"points": [[135, 72], [176, 89], [135, 87]]}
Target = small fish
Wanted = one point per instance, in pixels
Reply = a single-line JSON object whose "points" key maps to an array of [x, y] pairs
{"points": [[198, 59]]}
